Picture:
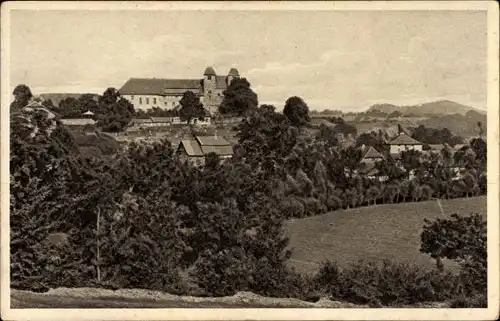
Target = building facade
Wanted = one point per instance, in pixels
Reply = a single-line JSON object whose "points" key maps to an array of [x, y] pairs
{"points": [[146, 93], [404, 142]]}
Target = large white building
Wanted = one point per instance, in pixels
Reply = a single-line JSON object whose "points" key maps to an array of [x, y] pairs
{"points": [[146, 93]]}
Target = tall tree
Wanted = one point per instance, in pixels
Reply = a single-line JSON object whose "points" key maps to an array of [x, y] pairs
{"points": [[70, 107], [191, 107], [239, 98], [297, 111], [22, 95], [115, 112], [88, 103]]}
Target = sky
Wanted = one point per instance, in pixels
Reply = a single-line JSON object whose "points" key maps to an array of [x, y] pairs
{"points": [[347, 60]]}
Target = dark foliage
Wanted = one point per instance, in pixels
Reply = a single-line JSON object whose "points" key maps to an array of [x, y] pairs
{"points": [[22, 95], [138, 217], [115, 112], [385, 284], [297, 111], [191, 107], [239, 98]]}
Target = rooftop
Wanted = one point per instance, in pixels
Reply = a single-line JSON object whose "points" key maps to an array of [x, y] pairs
{"points": [[404, 139], [234, 72], [158, 86], [373, 153], [204, 145], [209, 71]]}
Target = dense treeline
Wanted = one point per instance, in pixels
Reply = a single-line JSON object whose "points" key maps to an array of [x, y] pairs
{"points": [[140, 218]]}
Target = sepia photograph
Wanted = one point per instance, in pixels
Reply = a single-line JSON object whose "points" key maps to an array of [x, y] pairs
{"points": [[249, 160]]}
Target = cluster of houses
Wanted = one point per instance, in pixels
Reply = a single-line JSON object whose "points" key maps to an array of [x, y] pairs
{"points": [[402, 142], [196, 148]]}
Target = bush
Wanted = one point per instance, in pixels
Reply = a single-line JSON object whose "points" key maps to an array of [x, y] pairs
{"points": [[292, 208], [313, 206], [385, 284], [461, 239], [467, 302]]}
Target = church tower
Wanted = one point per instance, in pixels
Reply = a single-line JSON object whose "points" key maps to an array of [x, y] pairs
{"points": [[209, 82], [233, 73]]}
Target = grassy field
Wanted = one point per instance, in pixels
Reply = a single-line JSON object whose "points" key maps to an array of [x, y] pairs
{"points": [[374, 233]]}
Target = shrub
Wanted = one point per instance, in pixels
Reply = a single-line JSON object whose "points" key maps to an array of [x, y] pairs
{"points": [[291, 207], [385, 284], [461, 239], [313, 206], [467, 302]]}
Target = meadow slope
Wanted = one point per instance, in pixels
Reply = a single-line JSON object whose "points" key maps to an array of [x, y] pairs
{"points": [[390, 231]]}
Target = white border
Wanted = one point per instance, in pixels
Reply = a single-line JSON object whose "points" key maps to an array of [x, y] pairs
{"points": [[264, 314]]}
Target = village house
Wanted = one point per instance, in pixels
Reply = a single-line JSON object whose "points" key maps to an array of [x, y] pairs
{"points": [[196, 149], [368, 164], [146, 93], [403, 142]]}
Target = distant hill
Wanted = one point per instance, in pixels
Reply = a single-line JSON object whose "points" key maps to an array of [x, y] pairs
{"points": [[58, 97], [441, 107], [463, 125], [385, 108]]}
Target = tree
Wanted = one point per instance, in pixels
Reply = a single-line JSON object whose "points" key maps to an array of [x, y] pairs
{"points": [[372, 194], [48, 104], [327, 134], [70, 107], [114, 112], [191, 107], [297, 111], [239, 99], [461, 239], [479, 147], [88, 103], [22, 95]]}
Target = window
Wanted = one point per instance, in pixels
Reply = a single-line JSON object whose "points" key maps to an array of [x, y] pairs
{"points": [[132, 97], [147, 101], [140, 100], [209, 77], [154, 101]]}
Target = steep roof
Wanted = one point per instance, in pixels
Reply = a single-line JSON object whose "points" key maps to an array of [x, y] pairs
{"points": [[157, 86], [218, 150], [191, 147], [212, 141], [403, 139], [233, 72], [369, 169], [372, 153], [209, 71]]}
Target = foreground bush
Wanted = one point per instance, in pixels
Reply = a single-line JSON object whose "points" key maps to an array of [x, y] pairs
{"points": [[385, 284], [463, 240]]}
